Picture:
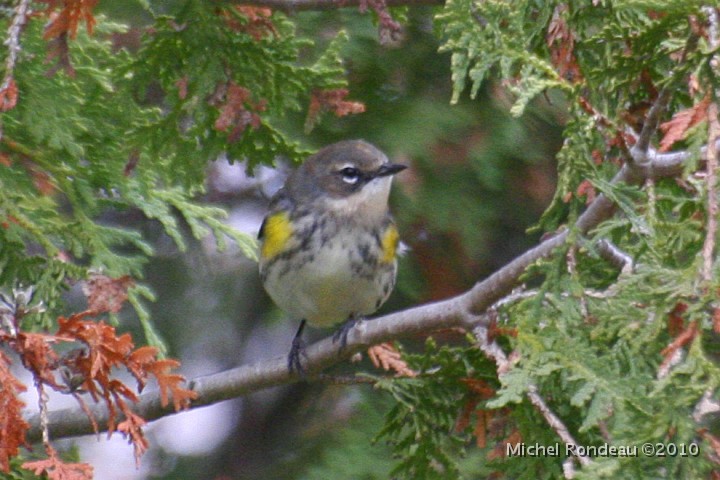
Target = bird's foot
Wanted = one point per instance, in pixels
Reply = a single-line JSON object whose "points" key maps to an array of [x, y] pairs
{"points": [[341, 333], [294, 357], [297, 350]]}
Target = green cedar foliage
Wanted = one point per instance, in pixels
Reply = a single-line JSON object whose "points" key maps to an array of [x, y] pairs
{"points": [[593, 340], [95, 137]]}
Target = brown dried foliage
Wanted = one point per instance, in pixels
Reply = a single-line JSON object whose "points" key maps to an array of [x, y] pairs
{"points": [[490, 427], [500, 449], [478, 391], [677, 127], [676, 322], [56, 469], [387, 357], [388, 28], [87, 368], [685, 337], [495, 331], [255, 21], [334, 101], [132, 427], [182, 86], [64, 18], [106, 294], [587, 190], [12, 424], [561, 42], [59, 52], [8, 96], [714, 445], [66, 15], [132, 163], [237, 110]]}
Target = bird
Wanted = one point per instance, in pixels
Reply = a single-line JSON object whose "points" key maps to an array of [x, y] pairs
{"points": [[329, 245]]}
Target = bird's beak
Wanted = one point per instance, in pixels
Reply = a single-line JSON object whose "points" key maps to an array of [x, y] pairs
{"points": [[390, 169]]}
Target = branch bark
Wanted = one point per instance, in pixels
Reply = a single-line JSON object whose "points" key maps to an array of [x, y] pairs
{"points": [[291, 6], [8, 88], [464, 310], [708, 250]]}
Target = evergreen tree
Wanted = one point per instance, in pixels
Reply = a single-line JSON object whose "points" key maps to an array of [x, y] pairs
{"points": [[601, 339]]}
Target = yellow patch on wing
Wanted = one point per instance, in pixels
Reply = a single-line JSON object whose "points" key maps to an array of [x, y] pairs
{"points": [[276, 233], [389, 243]]}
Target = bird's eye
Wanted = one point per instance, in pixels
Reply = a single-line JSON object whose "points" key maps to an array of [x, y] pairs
{"points": [[350, 175]]}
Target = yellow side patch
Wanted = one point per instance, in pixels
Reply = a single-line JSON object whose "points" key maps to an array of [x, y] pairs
{"points": [[389, 243], [277, 230]]}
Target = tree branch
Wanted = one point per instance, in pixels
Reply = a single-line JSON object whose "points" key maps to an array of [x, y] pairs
{"points": [[8, 88], [708, 250], [641, 147], [640, 152], [614, 255], [291, 6], [246, 379], [493, 351], [554, 421], [463, 310]]}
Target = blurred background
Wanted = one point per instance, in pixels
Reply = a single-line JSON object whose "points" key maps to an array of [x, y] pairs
{"points": [[477, 180]]}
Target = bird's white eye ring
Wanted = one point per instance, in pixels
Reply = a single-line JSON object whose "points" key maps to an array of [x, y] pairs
{"points": [[350, 175]]}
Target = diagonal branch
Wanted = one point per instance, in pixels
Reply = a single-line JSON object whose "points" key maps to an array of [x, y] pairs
{"points": [[640, 152], [642, 146], [555, 423], [463, 310], [493, 351], [246, 379]]}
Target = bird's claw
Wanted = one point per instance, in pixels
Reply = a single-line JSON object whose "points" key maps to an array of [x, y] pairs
{"points": [[342, 333]]}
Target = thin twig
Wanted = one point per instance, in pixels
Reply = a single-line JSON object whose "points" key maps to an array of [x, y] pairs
{"points": [[493, 351], [43, 406], [713, 32], [13, 41], [515, 296], [610, 252], [482, 21], [667, 365], [712, 205], [344, 379], [639, 151], [706, 406], [664, 164], [571, 260], [604, 431], [555, 423], [651, 202], [568, 467], [7, 87], [712, 158]]}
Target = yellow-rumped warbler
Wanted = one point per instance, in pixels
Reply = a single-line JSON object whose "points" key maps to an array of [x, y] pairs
{"points": [[329, 245]]}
